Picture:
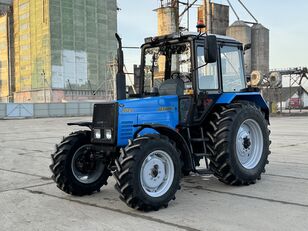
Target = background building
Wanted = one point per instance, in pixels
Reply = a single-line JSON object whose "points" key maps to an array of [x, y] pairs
{"points": [[6, 51], [215, 17], [64, 49]]}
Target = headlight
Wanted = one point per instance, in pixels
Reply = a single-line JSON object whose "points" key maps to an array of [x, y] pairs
{"points": [[108, 134], [97, 133]]}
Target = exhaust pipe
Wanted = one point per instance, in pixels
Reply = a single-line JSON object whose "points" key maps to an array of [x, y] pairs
{"points": [[120, 77]]}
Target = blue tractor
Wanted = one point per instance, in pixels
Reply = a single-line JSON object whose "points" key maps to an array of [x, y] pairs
{"points": [[193, 103]]}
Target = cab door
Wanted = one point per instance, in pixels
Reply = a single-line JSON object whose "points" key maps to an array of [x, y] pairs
{"points": [[232, 68], [207, 83]]}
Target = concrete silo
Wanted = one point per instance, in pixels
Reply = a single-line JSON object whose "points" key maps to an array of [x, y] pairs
{"points": [[242, 32], [260, 48], [168, 21]]}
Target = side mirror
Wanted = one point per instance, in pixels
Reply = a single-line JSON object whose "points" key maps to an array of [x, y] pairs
{"points": [[210, 49], [247, 46]]}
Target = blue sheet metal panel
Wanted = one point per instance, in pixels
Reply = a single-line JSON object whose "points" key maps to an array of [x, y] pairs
{"points": [[156, 110], [2, 110], [226, 98], [56, 109], [41, 110], [19, 110]]}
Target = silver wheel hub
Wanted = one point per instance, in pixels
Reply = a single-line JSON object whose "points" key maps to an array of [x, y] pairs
{"points": [[86, 168], [157, 173], [249, 144]]}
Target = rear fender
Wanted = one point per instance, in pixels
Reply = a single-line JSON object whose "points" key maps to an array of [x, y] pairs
{"points": [[176, 137], [255, 97]]}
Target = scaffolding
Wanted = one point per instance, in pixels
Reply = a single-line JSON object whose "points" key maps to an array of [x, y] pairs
{"points": [[107, 88], [277, 94]]}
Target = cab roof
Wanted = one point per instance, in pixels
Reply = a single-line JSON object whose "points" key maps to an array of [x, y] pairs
{"points": [[186, 35]]}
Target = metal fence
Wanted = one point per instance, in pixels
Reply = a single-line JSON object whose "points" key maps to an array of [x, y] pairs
{"points": [[41, 110]]}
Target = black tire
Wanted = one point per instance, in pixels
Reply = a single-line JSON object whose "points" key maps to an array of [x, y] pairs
{"points": [[61, 166], [129, 165], [222, 133]]}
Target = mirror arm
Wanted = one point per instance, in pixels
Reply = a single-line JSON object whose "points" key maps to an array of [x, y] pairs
{"points": [[197, 68]]}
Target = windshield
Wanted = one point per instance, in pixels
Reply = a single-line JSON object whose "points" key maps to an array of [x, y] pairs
{"points": [[167, 62]]}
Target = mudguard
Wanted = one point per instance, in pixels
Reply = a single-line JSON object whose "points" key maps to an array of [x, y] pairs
{"points": [[81, 124], [255, 97], [173, 135]]}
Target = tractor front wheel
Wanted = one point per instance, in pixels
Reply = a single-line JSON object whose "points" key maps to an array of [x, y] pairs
{"points": [[148, 172], [76, 168]]}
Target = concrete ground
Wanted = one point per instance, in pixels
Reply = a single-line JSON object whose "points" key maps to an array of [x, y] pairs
{"points": [[29, 200]]}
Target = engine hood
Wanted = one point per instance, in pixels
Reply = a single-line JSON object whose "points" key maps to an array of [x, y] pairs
{"points": [[152, 110]]}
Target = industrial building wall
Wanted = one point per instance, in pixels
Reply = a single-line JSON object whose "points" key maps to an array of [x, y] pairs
{"points": [[62, 48], [305, 99], [219, 16], [82, 42], [4, 59], [32, 47]]}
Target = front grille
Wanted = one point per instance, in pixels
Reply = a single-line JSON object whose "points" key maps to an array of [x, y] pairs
{"points": [[126, 130], [105, 117]]}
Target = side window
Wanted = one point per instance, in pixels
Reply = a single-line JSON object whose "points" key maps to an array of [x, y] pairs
{"points": [[233, 79], [207, 75]]}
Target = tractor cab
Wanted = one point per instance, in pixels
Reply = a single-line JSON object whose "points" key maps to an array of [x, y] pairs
{"points": [[208, 64], [196, 68]]}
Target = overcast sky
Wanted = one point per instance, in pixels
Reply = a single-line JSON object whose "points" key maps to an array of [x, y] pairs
{"points": [[287, 21]]}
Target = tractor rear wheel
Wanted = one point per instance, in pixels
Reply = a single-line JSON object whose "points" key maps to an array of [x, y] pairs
{"points": [[239, 143], [148, 173], [75, 167]]}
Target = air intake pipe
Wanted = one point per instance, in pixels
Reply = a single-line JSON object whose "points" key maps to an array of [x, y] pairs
{"points": [[120, 78]]}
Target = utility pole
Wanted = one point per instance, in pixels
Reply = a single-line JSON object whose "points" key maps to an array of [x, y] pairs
{"points": [[175, 4]]}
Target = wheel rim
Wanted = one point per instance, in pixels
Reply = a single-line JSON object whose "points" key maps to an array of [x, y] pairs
{"points": [[86, 168], [157, 173], [249, 144]]}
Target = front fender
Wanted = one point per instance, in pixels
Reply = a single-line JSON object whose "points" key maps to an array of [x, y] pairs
{"points": [[81, 124], [176, 137]]}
